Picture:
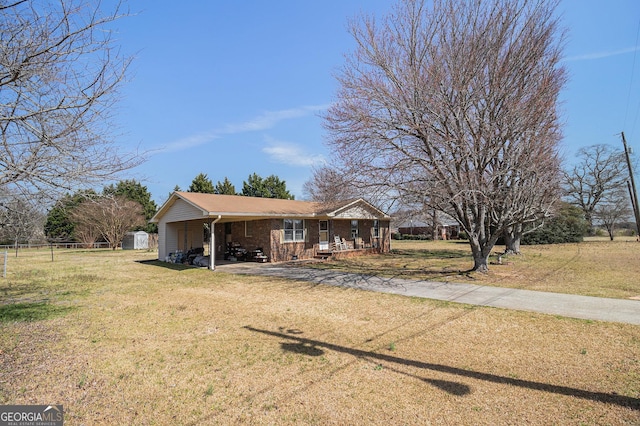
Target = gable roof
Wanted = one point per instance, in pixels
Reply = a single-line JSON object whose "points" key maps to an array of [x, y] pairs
{"points": [[238, 207]]}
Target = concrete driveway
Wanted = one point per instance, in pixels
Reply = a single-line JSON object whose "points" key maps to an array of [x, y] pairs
{"points": [[566, 305]]}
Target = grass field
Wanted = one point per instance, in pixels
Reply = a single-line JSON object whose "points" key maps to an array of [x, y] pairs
{"points": [[597, 267], [119, 340]]}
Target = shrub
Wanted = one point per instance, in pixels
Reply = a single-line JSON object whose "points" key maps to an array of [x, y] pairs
{"points": [[415, 237], [568, 226]]}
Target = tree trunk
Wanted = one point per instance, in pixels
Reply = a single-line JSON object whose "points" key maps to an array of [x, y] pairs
{"points": [[512, 237], [588, 216], [610, 232], [434, 226], [480, 263], [480, 255]]}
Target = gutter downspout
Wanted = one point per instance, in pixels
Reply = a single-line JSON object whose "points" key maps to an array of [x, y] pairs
{"points": [[212, 242]]}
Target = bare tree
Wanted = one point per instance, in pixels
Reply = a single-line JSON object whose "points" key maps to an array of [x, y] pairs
{"points": [[86, 232], [600, 170], [327, 184], [613, 208], [454, 106], [110, 217], [330, 183], [20, 222], [59, 76]]}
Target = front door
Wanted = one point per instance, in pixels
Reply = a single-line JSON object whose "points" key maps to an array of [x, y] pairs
{"points": [[324, 235]]}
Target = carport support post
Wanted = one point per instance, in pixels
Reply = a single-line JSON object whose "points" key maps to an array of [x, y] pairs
{"points": [[212, 244]]}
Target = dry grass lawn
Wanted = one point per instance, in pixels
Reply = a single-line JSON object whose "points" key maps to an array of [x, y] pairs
{"points": [[596, 267], [118, 341]]}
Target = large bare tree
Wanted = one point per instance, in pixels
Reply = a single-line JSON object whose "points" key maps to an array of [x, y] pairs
{"points": [[109, 216], [453, 104], [59, 77], [600, 171]]}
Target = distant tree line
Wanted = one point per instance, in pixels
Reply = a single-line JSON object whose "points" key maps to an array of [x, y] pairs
{"points": [[255, 186], [88, 216]]}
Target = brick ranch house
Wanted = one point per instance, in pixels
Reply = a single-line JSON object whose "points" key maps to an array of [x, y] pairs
{"points": [[282, 229]]}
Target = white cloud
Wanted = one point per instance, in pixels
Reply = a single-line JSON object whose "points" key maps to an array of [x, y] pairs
{"points": [[266, 120], [189, 142], [600, 55], [290, 154], [269, 119]]}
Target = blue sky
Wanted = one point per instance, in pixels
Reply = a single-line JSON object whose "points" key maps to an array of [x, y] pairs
{"points": [[230, 88]]}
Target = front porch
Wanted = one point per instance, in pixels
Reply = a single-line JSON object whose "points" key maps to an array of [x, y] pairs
{"points": [[343, 249]]}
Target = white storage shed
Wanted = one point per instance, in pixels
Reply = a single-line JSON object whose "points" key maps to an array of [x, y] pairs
{"points": [[138, 240]]}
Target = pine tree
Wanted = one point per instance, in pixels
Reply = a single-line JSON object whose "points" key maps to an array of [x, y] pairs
{"points": [[225, 188], [202, 184], [270, 187]]}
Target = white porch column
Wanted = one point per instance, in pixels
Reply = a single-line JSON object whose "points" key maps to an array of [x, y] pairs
{"points": [[212, 243]]}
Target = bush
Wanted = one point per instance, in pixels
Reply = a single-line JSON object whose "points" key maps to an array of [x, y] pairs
{"points": [[568, 226], [415, 237]]}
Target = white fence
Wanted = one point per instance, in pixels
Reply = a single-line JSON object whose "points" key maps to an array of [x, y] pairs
{"points": [[55, 245]]}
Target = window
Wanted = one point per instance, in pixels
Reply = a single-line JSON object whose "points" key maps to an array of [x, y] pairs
{"points": [[248, 229], [293, 230], [376, 229], [354, 229]]}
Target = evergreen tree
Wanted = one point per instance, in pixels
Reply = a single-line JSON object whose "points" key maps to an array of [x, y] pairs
{"points": [[59, 224], [253, 186], [277, 188], [270, 187], [135, 191], [175, 189], [567, 226], [225, 188], [202, 184]]}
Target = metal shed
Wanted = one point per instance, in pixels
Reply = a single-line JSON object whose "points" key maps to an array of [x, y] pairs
{"points": [[138, 240]]}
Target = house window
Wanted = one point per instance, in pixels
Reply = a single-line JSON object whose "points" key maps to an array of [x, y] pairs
{"points": [[376, 228], [248, 229], [354, 229], [293, 230]]}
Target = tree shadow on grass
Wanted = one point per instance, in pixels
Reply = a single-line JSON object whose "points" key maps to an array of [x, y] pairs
{"points": [[31, 311], [350, 279], [410, 263], [393, 271], [302, 348], [167, 265], [430, 254], [452, 387]]}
